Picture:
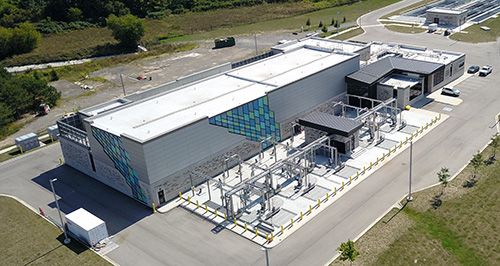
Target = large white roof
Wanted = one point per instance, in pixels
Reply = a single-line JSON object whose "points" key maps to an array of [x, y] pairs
{"points": [[166, 112]]}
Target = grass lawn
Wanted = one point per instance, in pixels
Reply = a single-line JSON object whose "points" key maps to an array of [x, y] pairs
{"points": [[194, 26], [28, 239], [349, 34], [460, 229], [475, 34], [404, 29]]}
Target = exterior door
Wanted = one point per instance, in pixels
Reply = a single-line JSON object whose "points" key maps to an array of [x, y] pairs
{"points": [[161, 196]]}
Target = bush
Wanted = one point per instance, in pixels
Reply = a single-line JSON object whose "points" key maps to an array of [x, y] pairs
{"points": [[22, 39], [128, 29], [47, 26]]}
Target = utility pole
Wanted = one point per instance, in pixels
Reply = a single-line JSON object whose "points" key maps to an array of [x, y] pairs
{"points": [[338, 23], [123, 86], [66, 239], [411, 159]]}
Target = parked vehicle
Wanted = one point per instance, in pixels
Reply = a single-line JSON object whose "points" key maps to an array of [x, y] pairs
{"points": [[485, 70], [450, 91], [473, 69], [43, 109], [224, 42]]}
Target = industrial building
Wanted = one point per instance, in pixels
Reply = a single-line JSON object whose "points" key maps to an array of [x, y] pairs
{"points": [[153, 144], [446, 16]]}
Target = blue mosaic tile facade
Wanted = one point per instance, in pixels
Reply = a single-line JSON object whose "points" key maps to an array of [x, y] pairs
{"points": [[253, 120], [112, 146]]}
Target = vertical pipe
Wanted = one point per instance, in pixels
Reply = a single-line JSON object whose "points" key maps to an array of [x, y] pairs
{"points": [[411, 159]]}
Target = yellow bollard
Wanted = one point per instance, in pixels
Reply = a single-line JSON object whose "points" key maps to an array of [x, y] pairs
{"points": [[426, 125], [51, 139], [206, 208], [364, 169], [60, 160], [180, 195], [395, 147], [154, 209], [272, 236], [310, 209], [383, 156], [406, 139], [357, 174], [216, 213], [371, 165], [235, 224], [301, 217], [256, 232], [319, 203], [350, 180], [401, 144], [440, 116], [197, 204], [291, 222], [342, 185], [189, 200], [65, 111], [246, 227], [377, 160], [335, 191], [282, 229], [327, 196], [267, 237], [21, 149], [411, 136], [225, 217], [389, 152], [73, 109]]}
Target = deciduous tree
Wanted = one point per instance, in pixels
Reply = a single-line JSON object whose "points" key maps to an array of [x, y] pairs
{"points": [[128, 29], [443, 176], [347, 251]]}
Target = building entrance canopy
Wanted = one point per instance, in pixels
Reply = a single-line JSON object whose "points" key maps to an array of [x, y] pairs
{"points": [[332, 124]]}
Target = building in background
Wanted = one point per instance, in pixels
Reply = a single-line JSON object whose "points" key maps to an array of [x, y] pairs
{"points": [[446, 16]]}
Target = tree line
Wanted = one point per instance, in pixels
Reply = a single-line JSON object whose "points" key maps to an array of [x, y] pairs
{"points": [[23, 94]]}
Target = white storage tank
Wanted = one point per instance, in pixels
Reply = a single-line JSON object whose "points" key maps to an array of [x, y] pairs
{"points": [[86, 226], [27, 142], [53, 132]]}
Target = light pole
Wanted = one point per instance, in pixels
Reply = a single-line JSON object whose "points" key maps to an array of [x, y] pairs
{"points": [[66, 239], [267, 255], [338, 23], [411, 159]]}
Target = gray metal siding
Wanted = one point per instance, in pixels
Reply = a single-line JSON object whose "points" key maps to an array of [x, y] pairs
{"points": [[307, 93], [184, 147]]}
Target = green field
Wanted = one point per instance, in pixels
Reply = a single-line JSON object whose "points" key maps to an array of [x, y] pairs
{"points": [[194, 26], [28, 239], [474, 33], [460, 229]]}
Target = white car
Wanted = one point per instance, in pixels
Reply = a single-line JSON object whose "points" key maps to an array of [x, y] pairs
{"points": [[485, 70], [450, 91]]}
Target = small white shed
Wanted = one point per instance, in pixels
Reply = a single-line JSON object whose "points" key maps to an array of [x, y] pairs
{"points": [[86, 226]]}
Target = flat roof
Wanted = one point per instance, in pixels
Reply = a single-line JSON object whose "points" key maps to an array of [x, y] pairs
{"points": [[331, 123], [400, 81], [329, 44], [84, 219], [414, 52], [444, 10], [206, 98]]}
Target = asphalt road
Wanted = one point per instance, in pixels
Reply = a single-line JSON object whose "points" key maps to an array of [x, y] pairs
{"points": [[180, 238]]}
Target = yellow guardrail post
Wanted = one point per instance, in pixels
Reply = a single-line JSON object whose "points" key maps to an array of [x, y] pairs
{"points": [[364, 169], [235, 224], [326, 196], [319, 202], [335, 191], [310, 209], [154, 209], [21, 149], [256, 232], [216, 213], [342, 185], [267, 237], [197, 204], [301, 217], [225, 217], [401, 144], [291, 222], [282, 229], [189, 200], [272, 236], [357, 174], [395, 147], [371, 165], [383, 156], [350, 180], [389, 153], [377, 160], [246, 229], [206, 208], [180, 195]]}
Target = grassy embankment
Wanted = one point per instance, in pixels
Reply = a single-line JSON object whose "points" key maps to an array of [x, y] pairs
{"points": [[459, 227], [28, 239]]}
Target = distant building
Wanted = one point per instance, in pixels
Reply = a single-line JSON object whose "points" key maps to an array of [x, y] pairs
{"points": [[446, 16]]}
